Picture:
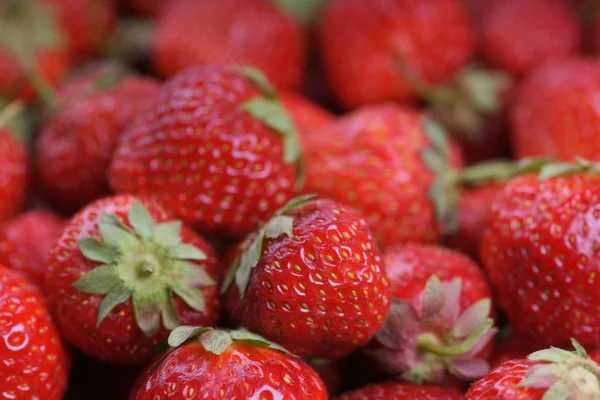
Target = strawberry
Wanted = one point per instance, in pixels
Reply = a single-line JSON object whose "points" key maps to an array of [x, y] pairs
{"points": [[519, 35], [546, 374], [34, 363], [540, 253], [217, 149], [310, 279], [307, 116], [513, 347], [373, 49], [243, 32], [76, 145], [555, 112], [401, 391], [438, 326], [390, 163], [207, 363], [124, 274], [25, 243]]}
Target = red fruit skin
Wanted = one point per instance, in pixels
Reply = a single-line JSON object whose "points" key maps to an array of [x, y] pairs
{"points": [[518, 35], [540, 255], [15, 175], [307, 116], [363, 42], [474, 209], [117, 339], [401, 391], [227, 177], [243, 32], [514, 347], [371, 160], [321, 293], [555, 112], [34, 364], [75, 147], [243, 371], [25, 243]]}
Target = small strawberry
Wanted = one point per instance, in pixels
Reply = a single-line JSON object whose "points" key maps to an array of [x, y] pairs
{"points": [[34, 363], [513, 347], [310, 279], [207, 363], [546, 374], [519, 35], [217, 149], [555, 112], [243, 32], [392, 164], [25, 243], [438, 326], [76, 145], [307, 116], [401, 391], [123, 274], [373, 49]]}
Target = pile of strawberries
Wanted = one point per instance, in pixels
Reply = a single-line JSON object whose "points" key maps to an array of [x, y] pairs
{"points": [[299, 199]]}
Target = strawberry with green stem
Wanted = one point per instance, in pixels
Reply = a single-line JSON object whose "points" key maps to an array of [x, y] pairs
{"points": [[124, 274]]}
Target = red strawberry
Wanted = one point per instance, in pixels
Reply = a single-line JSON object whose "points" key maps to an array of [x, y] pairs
{"points": [[541, 254], [438, 324], [555, 112], [217, 364], [75, 146], [34, 363], [115, 299], [386, 162], [310, 279], [25, 243], [217, 149], [546, 374], [401, 391], [373, 49], [519, 35], [307, 116], [513, 347], [243, 32]]}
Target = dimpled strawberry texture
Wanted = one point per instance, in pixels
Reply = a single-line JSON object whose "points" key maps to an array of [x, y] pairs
{"points": [[401, 391], [14, 175], [33, 362], [203, 157]]}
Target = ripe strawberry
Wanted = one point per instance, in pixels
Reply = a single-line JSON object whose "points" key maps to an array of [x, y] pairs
{"points": [[307, 116], [25, 243], [513, 347], [217, 149], [34, 363], [519, 35], [310, 279], [546, 374], [390, 163], [401, 391], [540, 253], [438, 326], [76, 145], [555, 112], [243, 32], [374, 49], [216, 364], [109, 296]]}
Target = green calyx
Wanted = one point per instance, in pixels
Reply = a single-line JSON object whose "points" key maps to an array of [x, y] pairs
{"points": [[281, 224], [566, 375], [147, 263], [305, 11], [9, 115]]}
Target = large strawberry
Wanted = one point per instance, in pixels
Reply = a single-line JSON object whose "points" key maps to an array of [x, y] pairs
{"points": [[438, 324], [555, 112], [541, 253], [25, 243], [310, 279], [34, 363], [243, 32], [216, 149], [401, 391], [544, 375], [123, 274], [393, 165], [374, 49], [207, 363], [76, 145]]}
